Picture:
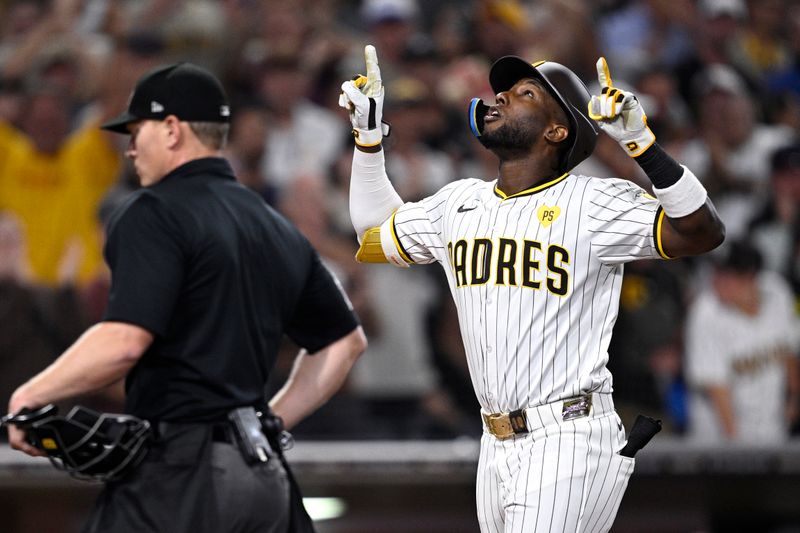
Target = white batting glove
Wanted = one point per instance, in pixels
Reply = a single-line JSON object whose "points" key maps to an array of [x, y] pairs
{"points": [[620, 115], [363, 99]]}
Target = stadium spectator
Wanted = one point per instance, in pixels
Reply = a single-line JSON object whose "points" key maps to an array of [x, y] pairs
{"points": [[304, 137], [731, 152], [416, 170], [742, 340], [776, 228], [36, 322], [245, 150], [53, 180], [645, 350]]}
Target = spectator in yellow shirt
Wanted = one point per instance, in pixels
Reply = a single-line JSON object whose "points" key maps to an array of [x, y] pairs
{"points": [[53, 181]]}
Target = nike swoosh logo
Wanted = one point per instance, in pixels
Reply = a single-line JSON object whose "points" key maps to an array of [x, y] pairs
{"points": [[463, 209]]}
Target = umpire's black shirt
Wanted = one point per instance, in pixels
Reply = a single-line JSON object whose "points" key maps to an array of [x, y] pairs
{"points": [[217, 276]]}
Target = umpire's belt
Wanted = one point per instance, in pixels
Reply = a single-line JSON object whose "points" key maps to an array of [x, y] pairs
{"points": [[220, 431], [524, 421]]}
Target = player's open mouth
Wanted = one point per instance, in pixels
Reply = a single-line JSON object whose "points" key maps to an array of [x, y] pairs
{"points": [[492, 115]]}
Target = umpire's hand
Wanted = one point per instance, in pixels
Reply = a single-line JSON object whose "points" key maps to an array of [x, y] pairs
{"points": [[17, 437]]}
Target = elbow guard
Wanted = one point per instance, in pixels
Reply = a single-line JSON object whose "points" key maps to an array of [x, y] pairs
{"points": [[371, 250]]}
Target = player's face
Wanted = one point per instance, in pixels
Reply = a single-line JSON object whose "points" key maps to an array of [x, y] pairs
{"points": [[737, 290], [146, 150], [518, 117]]}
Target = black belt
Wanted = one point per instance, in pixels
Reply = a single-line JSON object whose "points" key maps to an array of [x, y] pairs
{"points": [[220, 431], [223, 432]]}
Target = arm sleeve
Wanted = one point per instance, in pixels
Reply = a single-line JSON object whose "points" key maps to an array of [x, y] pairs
{"points": [[323, 314], [624, 221], [146, 259], [372, 197]]}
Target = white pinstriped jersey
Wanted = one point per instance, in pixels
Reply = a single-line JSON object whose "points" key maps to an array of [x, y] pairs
{"points": [[747, 354], [535, 276]]}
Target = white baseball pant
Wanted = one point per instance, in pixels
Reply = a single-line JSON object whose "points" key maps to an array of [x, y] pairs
{"points": [[563, 476]]}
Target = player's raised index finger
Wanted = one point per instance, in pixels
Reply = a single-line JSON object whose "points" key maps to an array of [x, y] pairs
{"points": [[371, 58], [603, 75]]}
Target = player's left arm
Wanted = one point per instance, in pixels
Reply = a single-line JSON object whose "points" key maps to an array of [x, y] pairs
{"points": [[692, 234], [688, 224]]}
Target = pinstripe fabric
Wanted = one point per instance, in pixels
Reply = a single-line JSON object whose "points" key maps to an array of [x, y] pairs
{"points": [[561, 477], [536, 279], [531, 346]]}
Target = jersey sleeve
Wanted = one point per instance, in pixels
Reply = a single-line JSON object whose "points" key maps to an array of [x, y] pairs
{"points": [[323, 313], [146, 258], [625, 222], [414, 233]]}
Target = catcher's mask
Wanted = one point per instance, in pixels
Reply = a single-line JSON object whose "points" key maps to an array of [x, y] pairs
{"points": [[86, 444], [567, 89]]}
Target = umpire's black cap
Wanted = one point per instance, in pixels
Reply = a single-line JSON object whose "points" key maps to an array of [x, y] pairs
{"points": [[187, 91]]}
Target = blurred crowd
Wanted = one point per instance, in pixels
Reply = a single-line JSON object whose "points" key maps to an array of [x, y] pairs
{"points": [[709, 345]]}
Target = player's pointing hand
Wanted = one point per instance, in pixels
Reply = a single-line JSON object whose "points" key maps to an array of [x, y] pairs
{"points": [[603, 75], [619, 114], [363, 99], [374, 85]]}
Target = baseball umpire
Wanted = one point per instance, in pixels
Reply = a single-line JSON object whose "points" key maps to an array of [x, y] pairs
{"points": [[206, 279], [534, 261]]}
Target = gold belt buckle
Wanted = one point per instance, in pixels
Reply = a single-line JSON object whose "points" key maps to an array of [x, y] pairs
{"points": [[506, 425], [499, 425]]}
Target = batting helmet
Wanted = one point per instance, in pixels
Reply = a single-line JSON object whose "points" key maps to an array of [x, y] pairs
{"points": [[567, 89], [86, 444]]}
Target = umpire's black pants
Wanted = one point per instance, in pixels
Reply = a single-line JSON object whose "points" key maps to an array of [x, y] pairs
{"points": [[188, 483]]}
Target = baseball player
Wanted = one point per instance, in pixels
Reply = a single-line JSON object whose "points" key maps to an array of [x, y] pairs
{"points": [[534, 260], [742, 341]]}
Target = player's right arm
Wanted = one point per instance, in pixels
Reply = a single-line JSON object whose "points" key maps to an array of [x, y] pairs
{"points": [[690, 224], [388, 230], [373, 199]]}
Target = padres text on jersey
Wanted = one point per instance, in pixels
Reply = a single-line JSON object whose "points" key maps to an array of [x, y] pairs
{"points": [[511, 260]]}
